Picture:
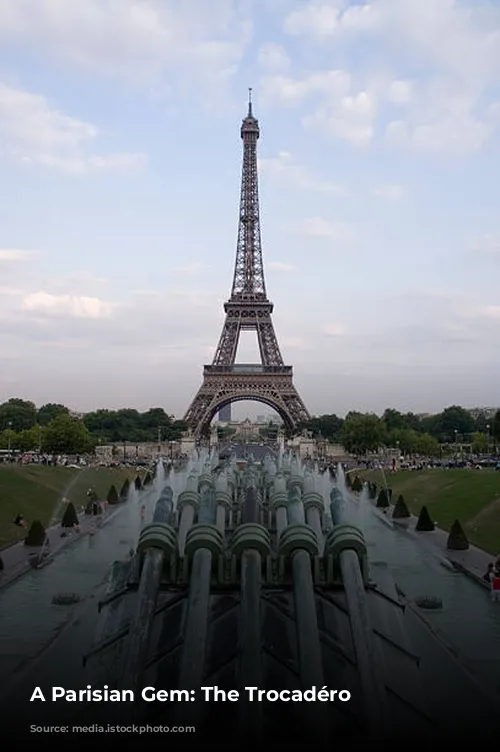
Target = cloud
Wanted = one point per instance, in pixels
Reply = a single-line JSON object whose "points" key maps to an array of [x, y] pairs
{"points": [[188, 269], [45, 304], [14, 255], [351, 118], [133, 40], [273, 57], [487, 245], [492, 312], [389, 192], [283, 167], [319, 20], [321, 228], [280, 266], [334, 330], [292, 91], [449, 106], [295, 343], [340, 110], [35, 133]]}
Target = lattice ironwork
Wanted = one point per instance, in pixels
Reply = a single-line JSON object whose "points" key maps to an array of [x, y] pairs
{"points": [[247, 309]]}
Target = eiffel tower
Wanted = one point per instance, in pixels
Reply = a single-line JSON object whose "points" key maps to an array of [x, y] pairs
{"points": [[248, 308]]}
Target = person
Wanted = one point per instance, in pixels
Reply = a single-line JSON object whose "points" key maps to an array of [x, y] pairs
{"points": [[489, 574], [495, 587]]}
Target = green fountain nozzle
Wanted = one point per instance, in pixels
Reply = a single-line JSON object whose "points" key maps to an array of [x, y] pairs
{"points": [[295, 507], [207, 513], [336, 506], [163, 508]]}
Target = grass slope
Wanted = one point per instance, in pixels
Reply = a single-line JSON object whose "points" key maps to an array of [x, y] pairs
{"points": [[472, 496], [34, 491]]}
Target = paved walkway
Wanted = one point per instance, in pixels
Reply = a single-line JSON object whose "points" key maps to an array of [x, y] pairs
{"points": [[474, 560], [16, 557]]}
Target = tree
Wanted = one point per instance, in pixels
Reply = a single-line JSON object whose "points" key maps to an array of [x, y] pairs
{"points": [[69, 435], [18, 412], [130, 425], [112, 496], [148, 479], [454, 418], [50, 411], [495, 426], [405, 438], [7, 438], [383, 499], [70, 517], [427, 445], [327, 426], [400, 511], [424, 522], [362, 433], [457, 539], [479, 443], [393, 420], [125, 489], [30, 439], [36, 535]]}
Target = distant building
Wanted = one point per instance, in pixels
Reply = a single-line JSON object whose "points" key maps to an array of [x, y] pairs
{"points": [[225, 414]]}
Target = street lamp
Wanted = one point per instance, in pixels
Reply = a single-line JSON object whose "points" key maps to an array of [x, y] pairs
{"points": [[10, 437], [39, 439], [488, 439], [456, 442]]}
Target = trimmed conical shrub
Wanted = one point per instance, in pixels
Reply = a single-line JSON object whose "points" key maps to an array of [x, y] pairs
{"points": [[424, 523], [36, 534], [138, 483], [357, 485], [348, 480], [400, 511], [125, 489], [1, 564], [372, 490], [457, 540], [112, 496], [70, 517], [382, 500], [148, 479]]}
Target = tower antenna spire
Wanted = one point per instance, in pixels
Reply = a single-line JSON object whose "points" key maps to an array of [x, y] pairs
{"points": [[249, 101]]}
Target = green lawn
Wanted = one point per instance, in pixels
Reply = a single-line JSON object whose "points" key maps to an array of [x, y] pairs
{"points": [[472, 496], [34, 492]]}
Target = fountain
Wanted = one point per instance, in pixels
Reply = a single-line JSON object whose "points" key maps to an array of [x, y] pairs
{"points": [[252, 576]]}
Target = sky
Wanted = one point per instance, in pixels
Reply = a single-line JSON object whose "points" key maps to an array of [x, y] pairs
{"points": [[120, 160]]}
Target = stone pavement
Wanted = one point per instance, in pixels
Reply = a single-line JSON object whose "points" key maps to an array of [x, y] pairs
{"points": [[473, 561], [16, 557]]}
